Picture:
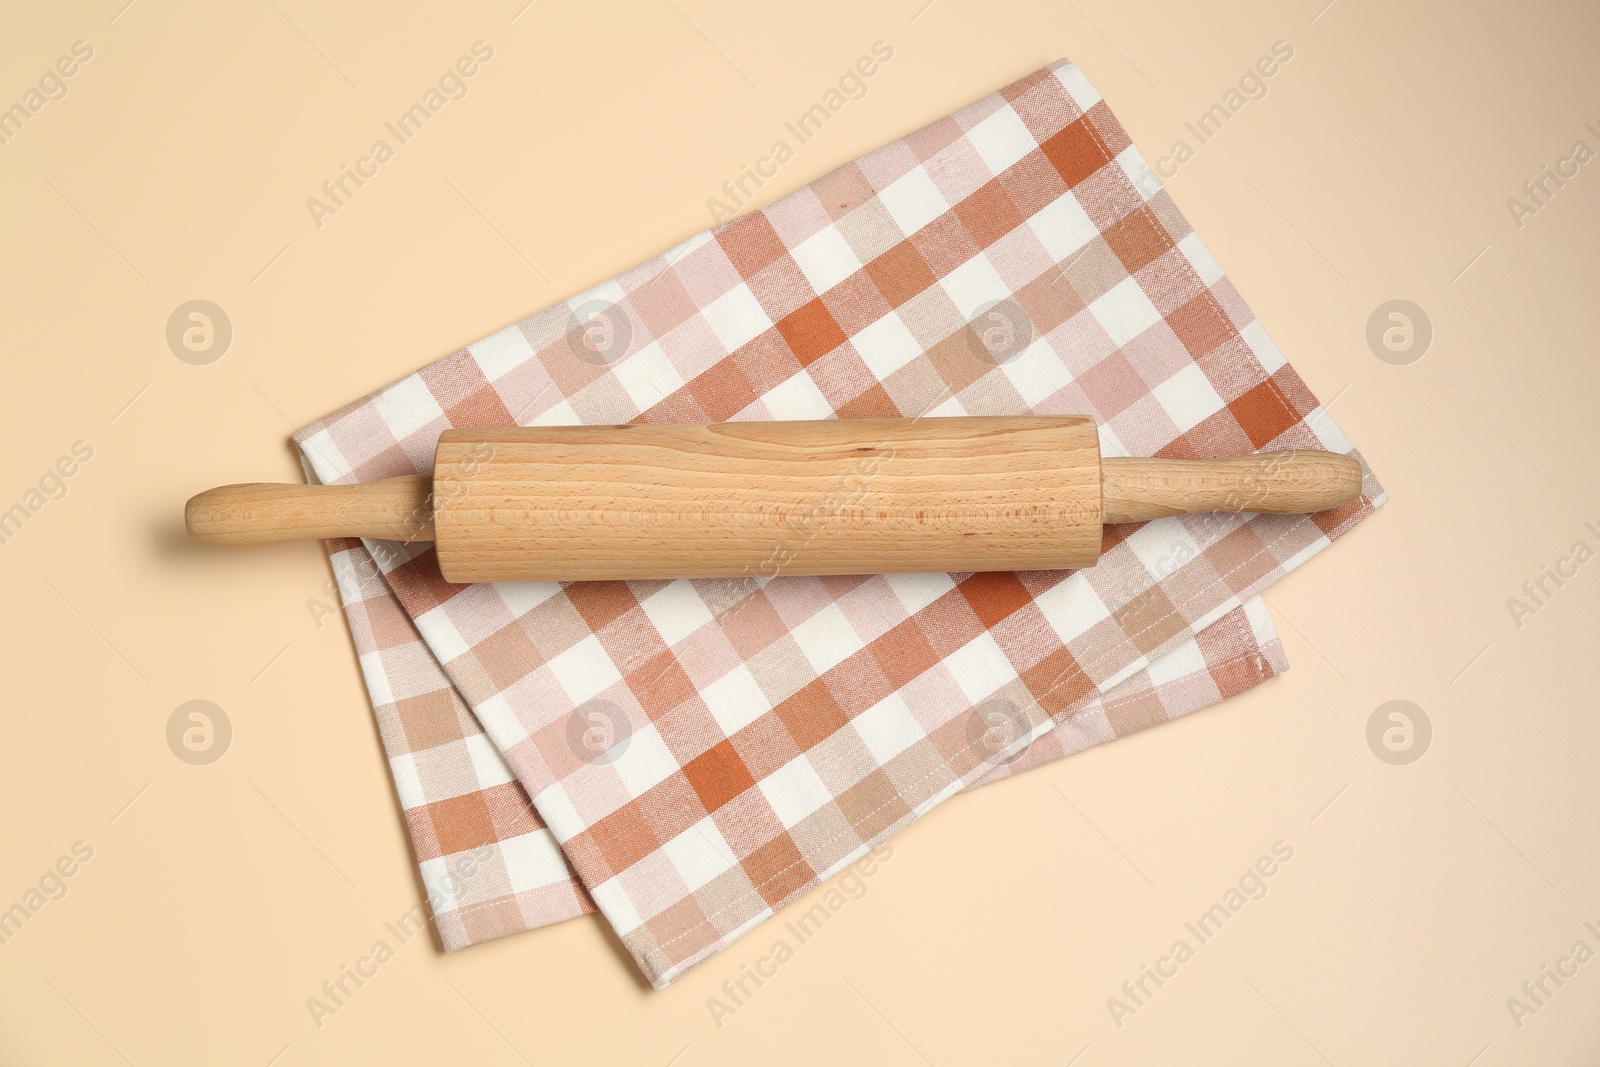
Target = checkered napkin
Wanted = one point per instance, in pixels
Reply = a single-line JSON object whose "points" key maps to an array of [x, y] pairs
{"points": [[698, 753]]}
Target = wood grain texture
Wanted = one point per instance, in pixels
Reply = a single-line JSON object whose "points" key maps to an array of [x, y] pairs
{"points": [[863, 496], [260, 513], [1279, 483]]}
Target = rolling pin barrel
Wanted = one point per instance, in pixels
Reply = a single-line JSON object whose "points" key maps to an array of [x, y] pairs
{"points": [[840, 496], [758, 499]]}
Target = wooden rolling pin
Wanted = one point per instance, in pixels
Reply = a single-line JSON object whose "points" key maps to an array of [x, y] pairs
{"points": [[841, 496]]}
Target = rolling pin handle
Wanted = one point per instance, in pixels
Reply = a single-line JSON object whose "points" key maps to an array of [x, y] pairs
{"points": [[1277, 483], [260, 513]]}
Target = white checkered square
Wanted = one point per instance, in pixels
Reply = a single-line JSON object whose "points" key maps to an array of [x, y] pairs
{"points": [[949, 408], [676, 611], [797, 398], [1001, 139], [974, 284], [1083, 94], [373, 669], [612, 897], [699, 854], [488, 766], [440, 884], [826, 259], [642, 763], [795, 791], [1037, 373], [585, 670], [1125, 312], [534, 861], [917, 591], [735, 700], [407, 784], [446, 641], [886, 345], [913, 201], [323, 453], [522, 597], [501, 353], [980, 667], [562, 414], [501, 722], [1162, 546], [736, 317], [407, 406], [1180, 663], [888, 728], [1201, 259], [1063, 227], [1262, 347], [1071, 607], [827, 639], [1138, 172], [648, 376], [1187, 398], [558, 811]]}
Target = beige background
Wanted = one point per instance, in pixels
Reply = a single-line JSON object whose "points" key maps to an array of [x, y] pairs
{"points": [[219, 898]]}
